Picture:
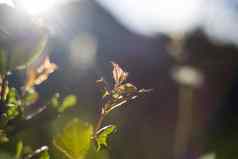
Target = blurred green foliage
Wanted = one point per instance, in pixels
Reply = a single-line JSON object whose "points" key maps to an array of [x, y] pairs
{"points": [[74, 141], [68, 102], [19, 149], [208, 156]]}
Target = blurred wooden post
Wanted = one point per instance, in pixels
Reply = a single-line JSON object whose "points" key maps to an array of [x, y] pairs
{"points": [[188, 80]]}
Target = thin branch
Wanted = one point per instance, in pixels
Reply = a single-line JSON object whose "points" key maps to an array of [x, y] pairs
{"points": [[3, 87], [128, 99], [39, 111], [36, 152], [119, 103], [99, 122]]}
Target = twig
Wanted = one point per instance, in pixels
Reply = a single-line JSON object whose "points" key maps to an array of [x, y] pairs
{"points": [[99, 122], [119, 103], [39, 111], [36, 152], [3, 87]]}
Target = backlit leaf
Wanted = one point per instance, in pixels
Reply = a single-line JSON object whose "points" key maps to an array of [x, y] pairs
{"points": [[11, 96], [119, 75], [126, 88], [74, 141], [69, 101], [103, 134], [19, 148], [30, 97], [36, 76], [12, 104], [208, 156], [55, 100], [44, 155]]}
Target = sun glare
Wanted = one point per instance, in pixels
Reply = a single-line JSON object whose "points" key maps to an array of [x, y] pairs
{"points": [[37, 7]]}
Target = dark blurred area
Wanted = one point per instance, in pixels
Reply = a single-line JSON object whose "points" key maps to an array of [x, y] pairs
{"points": [[147, 126]]}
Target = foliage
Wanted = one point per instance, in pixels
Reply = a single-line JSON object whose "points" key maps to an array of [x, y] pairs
{"points": [[45, 155], [102, 135], [76, 138], [208, 156], [19, 148]]}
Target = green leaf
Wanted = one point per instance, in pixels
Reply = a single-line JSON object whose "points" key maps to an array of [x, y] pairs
{"points": [[94, 154], [116, 95], [12, 104], [74, 141], [208, 156], [44, 155], [3, 137], [103, 134], [126, 88], [12, 111], [68, 102], [12, 96], [30, 97], [19, 148], [104, 93], [55, 100]]}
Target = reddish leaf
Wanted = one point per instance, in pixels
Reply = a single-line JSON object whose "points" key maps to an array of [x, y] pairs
{"points": [[36, 76], [118, 74]]}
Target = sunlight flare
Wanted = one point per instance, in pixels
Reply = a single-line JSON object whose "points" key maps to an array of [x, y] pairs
{"points": [[37, 7]]}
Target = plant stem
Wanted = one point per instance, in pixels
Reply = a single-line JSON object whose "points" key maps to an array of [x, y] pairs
{"points": [[37, 152], [3, 87], [125, 100], [99, 121]]}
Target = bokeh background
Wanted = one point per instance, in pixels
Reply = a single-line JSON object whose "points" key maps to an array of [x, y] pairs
{"points": [[86, 35]]}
